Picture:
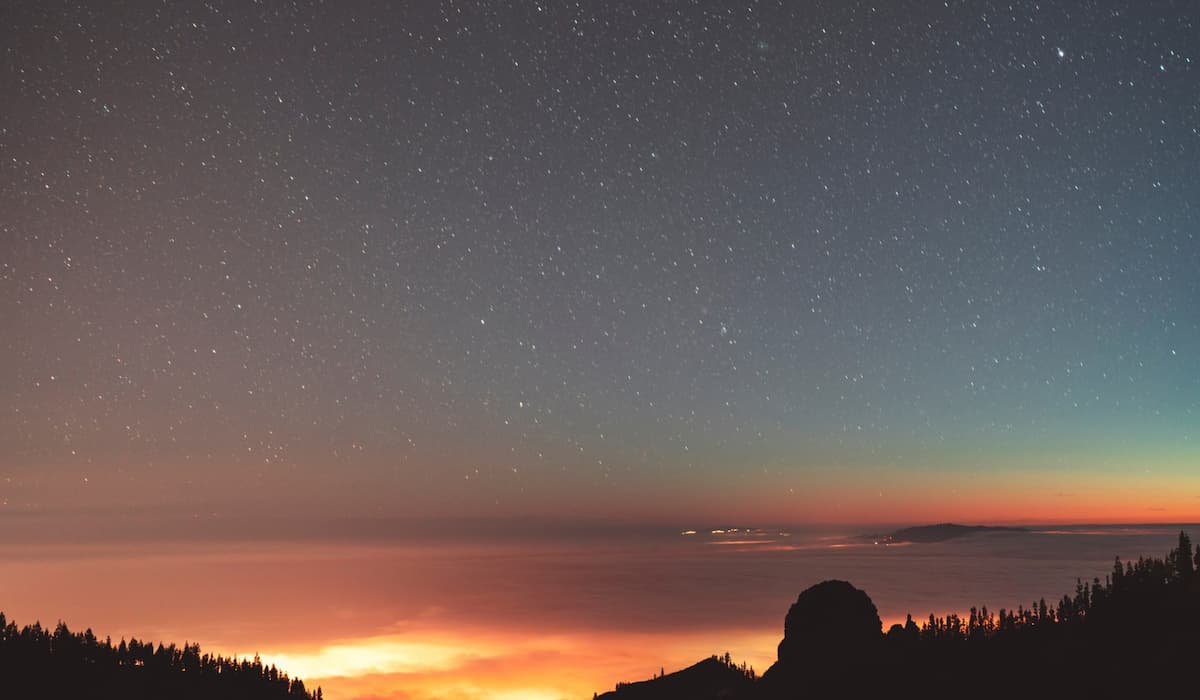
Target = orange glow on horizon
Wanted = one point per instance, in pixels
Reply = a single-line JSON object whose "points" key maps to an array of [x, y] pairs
{"points": [[491, 665], [1020, 497]]}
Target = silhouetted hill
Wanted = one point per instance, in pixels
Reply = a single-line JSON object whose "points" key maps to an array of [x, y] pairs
{"points": [[52, 665], [712, 679], [942, 532], [1136, 634]]}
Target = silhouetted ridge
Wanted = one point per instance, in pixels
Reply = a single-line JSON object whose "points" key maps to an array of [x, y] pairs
{"points": [[38, 663], [713, 678], [1135, 634]]}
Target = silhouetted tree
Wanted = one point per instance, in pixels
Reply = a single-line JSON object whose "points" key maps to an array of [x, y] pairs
{"points": [[1182, 556]]}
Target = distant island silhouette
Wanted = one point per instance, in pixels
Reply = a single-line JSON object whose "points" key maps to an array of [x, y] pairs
{"points": [[938, 533], [37, 662], [1134, 634]]}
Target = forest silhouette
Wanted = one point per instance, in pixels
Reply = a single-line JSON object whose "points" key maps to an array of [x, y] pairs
{"points": [[36, 662], [1134, 634]]}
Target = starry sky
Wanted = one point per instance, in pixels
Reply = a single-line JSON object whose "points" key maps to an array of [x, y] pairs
{"points": [[793, 261]]}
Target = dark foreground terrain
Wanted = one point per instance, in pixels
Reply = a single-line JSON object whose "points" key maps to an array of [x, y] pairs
{"points": [[1136, 634], [42, 664]]}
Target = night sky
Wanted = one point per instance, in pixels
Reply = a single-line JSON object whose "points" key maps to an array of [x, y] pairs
{"points": [[802, 261]]}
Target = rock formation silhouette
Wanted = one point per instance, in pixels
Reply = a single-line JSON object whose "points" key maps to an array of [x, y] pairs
{"points": [[831, 633]]}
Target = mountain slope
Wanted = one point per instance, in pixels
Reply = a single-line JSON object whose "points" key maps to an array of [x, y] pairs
{"points": [[711, 679]]}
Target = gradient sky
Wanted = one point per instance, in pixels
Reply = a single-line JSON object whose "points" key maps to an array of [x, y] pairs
{"points": [[811, 261]]}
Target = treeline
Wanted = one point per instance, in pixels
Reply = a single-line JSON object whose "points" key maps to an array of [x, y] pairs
{"points": [[742, 668], [1125, 590], [36, 662], [1128, 635]]}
